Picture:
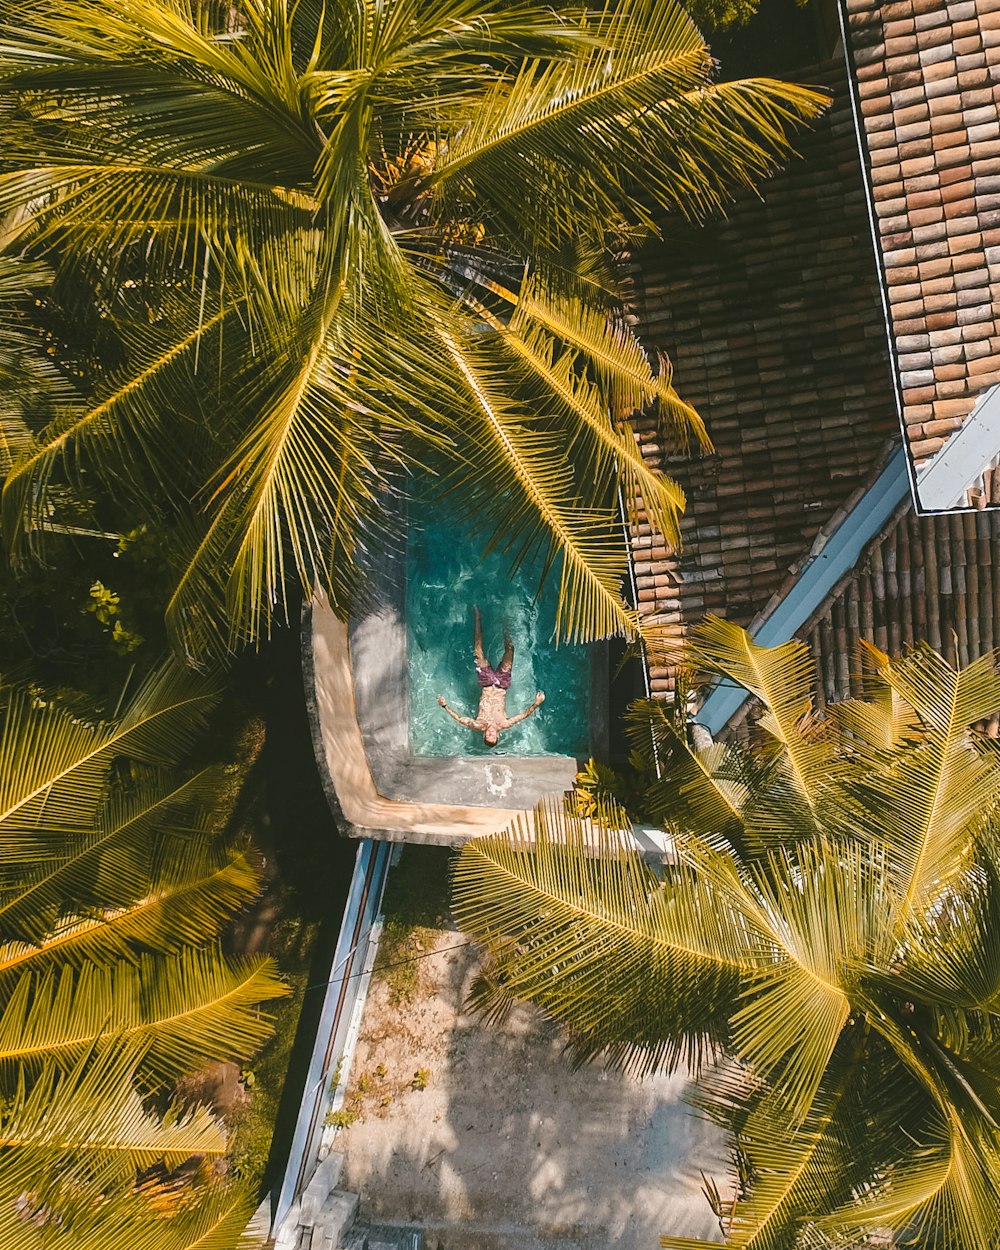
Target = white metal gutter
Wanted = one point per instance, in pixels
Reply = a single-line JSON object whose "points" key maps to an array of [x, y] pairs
{"points": [[943, 481]]}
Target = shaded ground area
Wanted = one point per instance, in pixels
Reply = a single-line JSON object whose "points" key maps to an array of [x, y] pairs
{"points": [[306, 868], [486, 1137]]}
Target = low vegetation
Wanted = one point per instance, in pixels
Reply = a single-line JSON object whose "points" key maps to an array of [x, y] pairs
{"points": [[415, 910]]}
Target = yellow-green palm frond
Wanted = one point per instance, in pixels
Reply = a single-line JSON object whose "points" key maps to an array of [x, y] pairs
{"points": [[796, 1170], [954, 967], [92, 1112], [107, 866], [54, 767], [819, 905], [782, 678], [616, 356], [530, 499], [73, 1142], [947, 700], [601, 447], [934, 798], [30, 385], [641, 971], [155, 1217], [186, 902], [702, 792], [306, 485], [123, 424], [944, 1194], [186, 1009], [640, 105]]}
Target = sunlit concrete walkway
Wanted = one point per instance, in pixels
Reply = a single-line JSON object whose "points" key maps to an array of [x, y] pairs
{"points": [[507, 1146]]}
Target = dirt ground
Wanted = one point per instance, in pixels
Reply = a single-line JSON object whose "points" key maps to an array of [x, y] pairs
{"points": [[487, 1137]]}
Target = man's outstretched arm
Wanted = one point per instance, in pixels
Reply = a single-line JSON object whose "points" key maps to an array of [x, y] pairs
{"points": [[513, 720], [467, 721]]}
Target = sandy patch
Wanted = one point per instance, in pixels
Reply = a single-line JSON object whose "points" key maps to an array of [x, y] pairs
{"points": [[488, 1132]]}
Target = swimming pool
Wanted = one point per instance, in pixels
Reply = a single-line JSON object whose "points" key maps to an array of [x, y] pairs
{"points": [[446, 574]]}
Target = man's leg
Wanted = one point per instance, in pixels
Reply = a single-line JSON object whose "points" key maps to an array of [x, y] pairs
{"points": [[507, 663], [477, 642]]}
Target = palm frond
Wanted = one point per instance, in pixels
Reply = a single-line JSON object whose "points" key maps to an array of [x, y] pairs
{"points": [[93, 1114], [54, 767], [155, 1217], [186, 903], [795, 1170], [782, 678], [126, 418], [601, 447], [108, 866], [614, 353], [705, 792], [880, 723], [945, 1194], [937, 795], [640, 107], [528, 489], [571, 919], [187, 1009]]}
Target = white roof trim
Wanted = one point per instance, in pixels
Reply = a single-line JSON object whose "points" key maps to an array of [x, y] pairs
{"points": [[943, 481]]}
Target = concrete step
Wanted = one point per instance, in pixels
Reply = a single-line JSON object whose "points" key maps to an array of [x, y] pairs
{"points": [[385, 1237], [335, 1221], [471, 1235], [361, 1240], [321, 1184]]}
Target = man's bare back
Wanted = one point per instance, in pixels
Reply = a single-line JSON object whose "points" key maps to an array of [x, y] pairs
{"points": [[492, 718]]}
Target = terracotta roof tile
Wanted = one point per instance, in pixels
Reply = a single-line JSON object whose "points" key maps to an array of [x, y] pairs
{"points": [[933, 134], [773, 323]]}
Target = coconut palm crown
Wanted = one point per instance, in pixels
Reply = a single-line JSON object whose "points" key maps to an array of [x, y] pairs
{"points": [[349, 248], [821, 948]]}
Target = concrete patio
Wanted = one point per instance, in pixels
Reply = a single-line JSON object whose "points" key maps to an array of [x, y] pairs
{"points": [[484, 1137]]}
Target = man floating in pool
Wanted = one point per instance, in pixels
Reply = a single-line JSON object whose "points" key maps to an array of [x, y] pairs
{"points": [[492, 719]]}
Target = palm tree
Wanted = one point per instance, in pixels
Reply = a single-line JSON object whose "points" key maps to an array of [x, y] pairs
{"points": [[354, 250], [821, 948], [114, 886]]}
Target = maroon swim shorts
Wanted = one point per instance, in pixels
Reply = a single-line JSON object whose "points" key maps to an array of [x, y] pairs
{"points": [[486, 675]]}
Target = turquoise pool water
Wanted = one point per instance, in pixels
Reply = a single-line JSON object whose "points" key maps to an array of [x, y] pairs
{"points": [[446, 575]]}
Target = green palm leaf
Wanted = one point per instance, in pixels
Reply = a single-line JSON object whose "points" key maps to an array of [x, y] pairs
{"points": [[156, 1219], [107, 866], [53, 767], [615, 355], [300, 192], [186, 1009], [612, 447], [640, 101], [185, 904], [824, 925], [782, 678], [936, 796], [93, 1112], [526, 482], [795, 1171], [573, 920], [114, 889]]}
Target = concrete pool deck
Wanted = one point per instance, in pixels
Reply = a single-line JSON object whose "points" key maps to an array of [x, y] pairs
{"points": [[355, 680], [483, 1136]]}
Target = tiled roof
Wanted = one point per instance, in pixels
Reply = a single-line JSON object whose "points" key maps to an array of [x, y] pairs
{"points": [[925, 578], [773, 322], [928, 80]]}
